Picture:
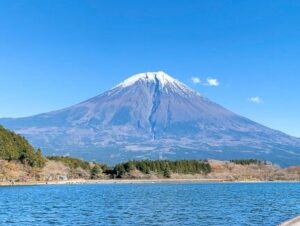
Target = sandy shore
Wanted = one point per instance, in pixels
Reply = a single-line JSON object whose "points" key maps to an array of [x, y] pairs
{"points": [[111, 181], [293, 222], [133, 181]]}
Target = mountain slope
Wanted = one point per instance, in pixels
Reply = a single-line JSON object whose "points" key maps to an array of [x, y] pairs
{"points": [[152, 115], [15, 147]]}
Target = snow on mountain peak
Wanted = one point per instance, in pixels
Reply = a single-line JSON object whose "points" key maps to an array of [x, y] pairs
{"points": [[159, 76], [164, 80]]}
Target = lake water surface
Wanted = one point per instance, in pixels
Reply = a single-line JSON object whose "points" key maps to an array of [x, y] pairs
{"points": [[150, 204]]}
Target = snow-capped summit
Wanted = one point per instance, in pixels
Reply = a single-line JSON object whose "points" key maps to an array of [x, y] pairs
{"points": [[152, 115], [161, 77]]}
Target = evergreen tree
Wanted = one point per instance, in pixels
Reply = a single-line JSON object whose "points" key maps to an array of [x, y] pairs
{"points": [[167, 172], [96, 172], [120, 170], [40, 160]]}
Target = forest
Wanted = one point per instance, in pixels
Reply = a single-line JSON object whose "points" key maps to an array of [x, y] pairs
{"points": [[164, 167]]}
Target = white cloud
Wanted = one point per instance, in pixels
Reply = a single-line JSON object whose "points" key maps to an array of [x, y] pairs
{"points": [[196, 80], [209, 81], [256, 100], [212, 82]]}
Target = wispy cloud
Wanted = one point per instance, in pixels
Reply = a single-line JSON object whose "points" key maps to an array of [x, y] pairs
{"points": [[209, 81], [196, 80], [212, 82], [256, 100]]}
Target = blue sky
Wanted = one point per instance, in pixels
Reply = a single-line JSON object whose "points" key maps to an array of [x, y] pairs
{"points": [[56, 53]]}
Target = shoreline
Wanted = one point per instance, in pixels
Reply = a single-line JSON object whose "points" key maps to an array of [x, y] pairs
{"points": [[135, 181], [111, 181], [292, 222]]}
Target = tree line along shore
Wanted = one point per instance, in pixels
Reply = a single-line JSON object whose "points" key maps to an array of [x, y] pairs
{"points": [[21, 163]]}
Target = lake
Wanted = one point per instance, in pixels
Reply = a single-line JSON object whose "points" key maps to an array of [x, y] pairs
{"points": [[150, 204]]}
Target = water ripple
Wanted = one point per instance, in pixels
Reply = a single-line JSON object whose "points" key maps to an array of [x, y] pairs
{"points": [[150, 204]]}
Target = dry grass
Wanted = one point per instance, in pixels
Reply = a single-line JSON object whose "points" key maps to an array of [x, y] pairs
{"points": [[11, 172], [254, 172]]}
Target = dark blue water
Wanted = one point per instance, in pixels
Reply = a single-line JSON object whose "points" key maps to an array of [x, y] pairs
{"points": [[150, 204]]}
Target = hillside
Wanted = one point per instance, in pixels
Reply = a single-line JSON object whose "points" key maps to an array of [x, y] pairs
{"points": [[154, 116], [20, 162], [211, 170], [15, 147], [63, 171]]}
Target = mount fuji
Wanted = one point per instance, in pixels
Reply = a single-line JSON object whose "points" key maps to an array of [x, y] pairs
{"points": [[152, 115]]}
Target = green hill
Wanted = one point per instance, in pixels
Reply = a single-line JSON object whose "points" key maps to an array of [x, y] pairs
{"points": [[16, 147]]}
